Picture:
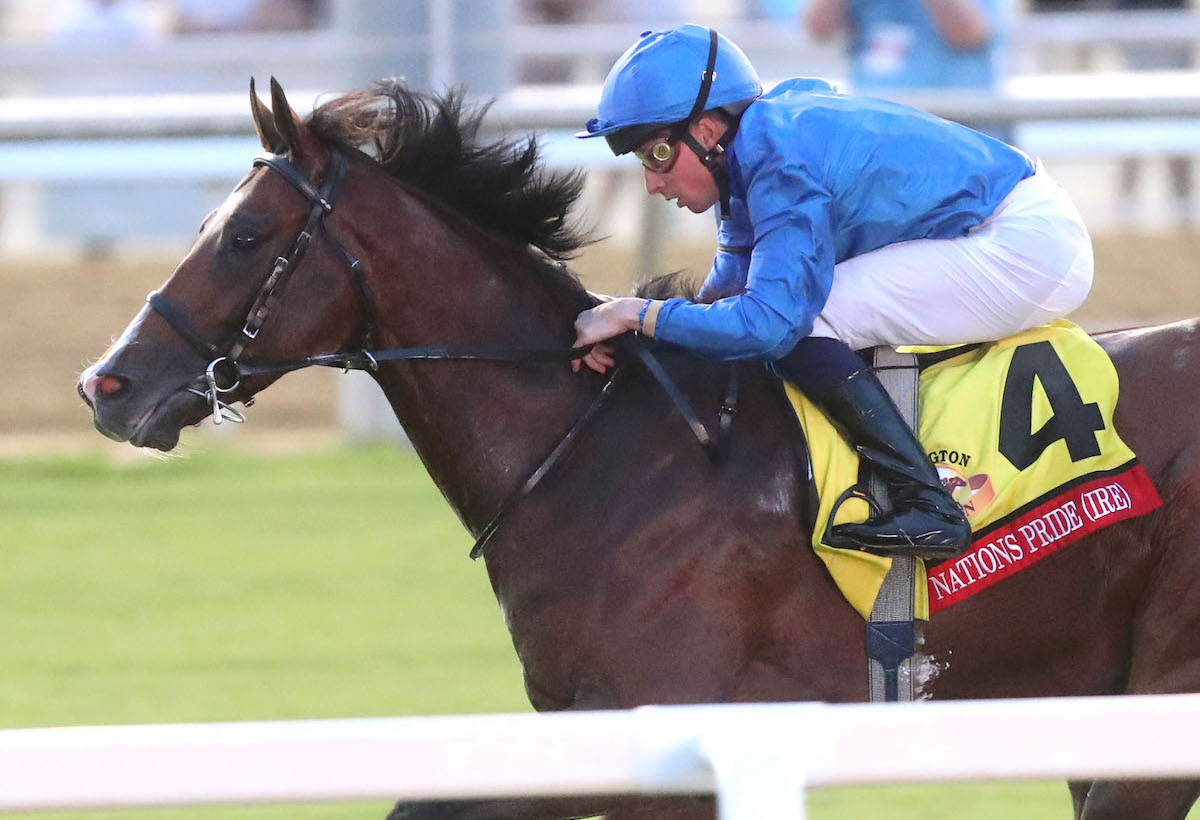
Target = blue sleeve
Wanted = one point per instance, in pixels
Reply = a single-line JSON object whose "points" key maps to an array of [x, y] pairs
{"points": [[790, 272], [728, 275]]}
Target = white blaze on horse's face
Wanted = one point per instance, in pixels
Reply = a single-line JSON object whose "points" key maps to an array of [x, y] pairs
{"points": [[89, 381], [214, 222]]}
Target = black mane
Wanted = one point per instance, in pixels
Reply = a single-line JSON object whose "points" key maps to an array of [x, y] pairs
{"points": [[431, 142]]}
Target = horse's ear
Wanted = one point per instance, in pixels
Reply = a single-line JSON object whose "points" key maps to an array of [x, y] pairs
{"points": [[268, 134], [286, 122]]}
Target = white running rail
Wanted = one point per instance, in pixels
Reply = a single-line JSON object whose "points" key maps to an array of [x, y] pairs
{"points": [[758, 759]]}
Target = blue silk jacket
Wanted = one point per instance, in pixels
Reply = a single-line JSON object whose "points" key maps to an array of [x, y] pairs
{"points": [[817, 177]]}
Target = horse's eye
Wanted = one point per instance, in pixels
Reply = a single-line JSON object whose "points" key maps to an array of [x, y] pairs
{"points": [[244, 240]]}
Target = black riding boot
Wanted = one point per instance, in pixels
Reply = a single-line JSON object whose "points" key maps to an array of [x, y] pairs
{"points": [[924, 522]]}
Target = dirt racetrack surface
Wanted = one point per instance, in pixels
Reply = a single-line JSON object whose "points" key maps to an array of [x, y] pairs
{"points": [[60, 315]]}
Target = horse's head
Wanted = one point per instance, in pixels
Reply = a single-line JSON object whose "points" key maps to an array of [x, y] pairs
{"points": [[268, 252]]}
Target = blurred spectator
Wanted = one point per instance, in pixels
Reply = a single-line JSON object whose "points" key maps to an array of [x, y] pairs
{"points": [[908, 44], [119, 22], [212, 16], [1158, 57]]}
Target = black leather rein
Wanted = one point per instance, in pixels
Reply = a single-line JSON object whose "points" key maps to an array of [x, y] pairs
{"points": [[225, 371]]}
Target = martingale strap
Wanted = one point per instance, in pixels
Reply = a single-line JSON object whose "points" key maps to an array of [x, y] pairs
{"points": [[717, 450], [564, 446]]}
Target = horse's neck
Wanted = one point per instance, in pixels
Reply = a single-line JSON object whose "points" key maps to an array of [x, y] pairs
{"points": [[479, 427]]}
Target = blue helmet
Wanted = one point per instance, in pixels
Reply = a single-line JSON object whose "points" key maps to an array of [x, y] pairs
{"points": [[661, 80]]}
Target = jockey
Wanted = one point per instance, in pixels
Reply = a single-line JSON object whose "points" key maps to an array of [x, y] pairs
{"points": [[845, 222]]}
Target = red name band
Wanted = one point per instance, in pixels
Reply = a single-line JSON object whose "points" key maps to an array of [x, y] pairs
{"points": [[1045, 529]]}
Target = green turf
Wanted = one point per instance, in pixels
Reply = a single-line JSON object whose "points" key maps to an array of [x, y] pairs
{"points": [[225, 587]]}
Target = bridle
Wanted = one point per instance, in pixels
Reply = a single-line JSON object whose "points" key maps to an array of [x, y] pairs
{"points": [[225, 371]]}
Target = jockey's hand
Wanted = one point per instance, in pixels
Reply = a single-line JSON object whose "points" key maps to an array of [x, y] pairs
{"points": [[599, 358], [601, 323]]}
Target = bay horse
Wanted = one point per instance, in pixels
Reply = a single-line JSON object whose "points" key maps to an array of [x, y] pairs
{"points": [[637, 572]]}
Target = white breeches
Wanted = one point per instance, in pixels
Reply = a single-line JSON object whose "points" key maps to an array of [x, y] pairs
{"points": [[1028, 263]]}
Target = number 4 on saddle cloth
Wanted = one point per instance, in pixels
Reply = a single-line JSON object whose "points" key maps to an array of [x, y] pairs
{"points": [[1022, 435]]}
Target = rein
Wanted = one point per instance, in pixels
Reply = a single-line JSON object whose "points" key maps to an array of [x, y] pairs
{"points": [[225, 373]]}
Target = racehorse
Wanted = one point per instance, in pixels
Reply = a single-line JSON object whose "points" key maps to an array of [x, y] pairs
{"points": [[637, 572]]}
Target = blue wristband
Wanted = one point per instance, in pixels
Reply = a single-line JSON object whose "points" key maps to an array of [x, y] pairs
{"points": [[642, 315]]}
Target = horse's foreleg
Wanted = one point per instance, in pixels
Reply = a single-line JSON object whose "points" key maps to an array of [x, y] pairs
{"points": [[1079, 793], [1140, 799], [613, 808]]}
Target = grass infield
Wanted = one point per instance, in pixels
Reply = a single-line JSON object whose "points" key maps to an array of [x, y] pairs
{"points": [[238, 587]]}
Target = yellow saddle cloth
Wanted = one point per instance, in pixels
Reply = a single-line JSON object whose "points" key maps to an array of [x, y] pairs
{"points": [[1022, 435]]}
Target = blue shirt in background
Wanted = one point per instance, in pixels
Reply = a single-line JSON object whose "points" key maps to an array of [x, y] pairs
{"points": [[895, 44]]}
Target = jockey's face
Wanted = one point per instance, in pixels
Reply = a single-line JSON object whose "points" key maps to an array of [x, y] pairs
{"points": [[687, 182]]}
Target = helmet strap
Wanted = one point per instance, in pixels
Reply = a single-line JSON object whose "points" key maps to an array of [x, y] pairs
{"points": [[714, 159], [706, 79]]}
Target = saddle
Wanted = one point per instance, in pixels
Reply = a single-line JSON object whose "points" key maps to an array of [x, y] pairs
{"points": [[1021, 432]]}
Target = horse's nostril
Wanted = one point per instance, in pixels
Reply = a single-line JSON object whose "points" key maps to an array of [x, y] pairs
{"points": [[101, 385], [108, 385]]}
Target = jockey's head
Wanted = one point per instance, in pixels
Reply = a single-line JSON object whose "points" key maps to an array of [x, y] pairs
{"points": [[662, 85]]}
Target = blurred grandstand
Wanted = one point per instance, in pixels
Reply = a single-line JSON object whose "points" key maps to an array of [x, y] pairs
{"points": [[124, 121]]}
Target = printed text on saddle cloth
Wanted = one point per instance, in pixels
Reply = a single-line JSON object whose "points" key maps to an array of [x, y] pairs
{"points": [[1060, 448]]}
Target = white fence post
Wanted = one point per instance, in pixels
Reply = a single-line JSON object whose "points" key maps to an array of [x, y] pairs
{"points": [[757, 780]]}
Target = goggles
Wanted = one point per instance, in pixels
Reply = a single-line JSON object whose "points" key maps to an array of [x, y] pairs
{"points": [[659, 156]]}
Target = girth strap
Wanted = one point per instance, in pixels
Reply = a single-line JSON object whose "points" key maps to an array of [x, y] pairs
{"points": [[891, 632]]}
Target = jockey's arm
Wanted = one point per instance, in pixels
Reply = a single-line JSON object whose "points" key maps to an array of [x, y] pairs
{"points": [[788, 279], [728, 275]]}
